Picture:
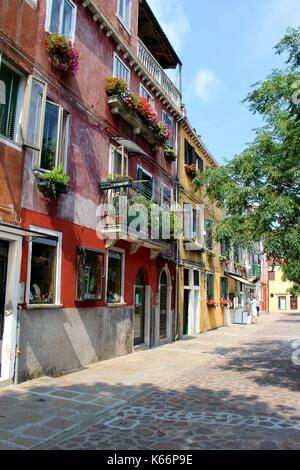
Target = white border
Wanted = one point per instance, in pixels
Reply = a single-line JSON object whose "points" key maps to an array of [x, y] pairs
{"points": [[118, 250], [58, 236]]}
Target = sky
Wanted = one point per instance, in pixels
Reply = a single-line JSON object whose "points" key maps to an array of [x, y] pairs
{"points": [[225, 47]]}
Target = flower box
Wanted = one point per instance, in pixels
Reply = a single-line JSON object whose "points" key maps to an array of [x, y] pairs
{"points": [[212, 303], [63, 55], [170, 154], [225, 303]]}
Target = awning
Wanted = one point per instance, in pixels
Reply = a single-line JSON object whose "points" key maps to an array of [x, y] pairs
{"points": [[22, 232], [129, 145], [239, 279]]}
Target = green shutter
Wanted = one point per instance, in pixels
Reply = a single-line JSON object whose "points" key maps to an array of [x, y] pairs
{"points": [[210, 287], [224, 287], [8, 110]]}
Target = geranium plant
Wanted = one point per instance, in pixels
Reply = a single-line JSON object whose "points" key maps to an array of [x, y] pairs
{"points": [[162, 131], [212, 303], [62, 52], [191, 170], [115, 86], [225, 302]]}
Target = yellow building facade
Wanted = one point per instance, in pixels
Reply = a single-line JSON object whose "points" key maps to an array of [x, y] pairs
{"points": [[201, 280], [280, 299]]}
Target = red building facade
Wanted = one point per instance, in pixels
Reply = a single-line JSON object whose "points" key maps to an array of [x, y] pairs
{"points": [[71, 296]]}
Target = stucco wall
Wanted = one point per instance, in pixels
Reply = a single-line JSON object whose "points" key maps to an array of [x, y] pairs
{"points": [[60, 340], [280, 288]]}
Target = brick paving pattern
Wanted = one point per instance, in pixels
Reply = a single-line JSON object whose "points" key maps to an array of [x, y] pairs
{"points": [[235, 388]]}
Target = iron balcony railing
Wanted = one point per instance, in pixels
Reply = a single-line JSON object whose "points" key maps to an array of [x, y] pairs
{"points": [[158, 74]]}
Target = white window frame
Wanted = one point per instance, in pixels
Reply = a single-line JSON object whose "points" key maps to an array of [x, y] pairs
{"points": [[151, 176], [59, 134], [124, 164], [163, 186], [25, 120], [143, 89], [164, 113], [115, 58], [19, 108], [118, 250], [74, 16], [122, 18], [58, 272], [188, 232]]}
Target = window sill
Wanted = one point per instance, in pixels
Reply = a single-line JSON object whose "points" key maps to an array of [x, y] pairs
{"points": [[116, 305], [43, 306], [10, 143]]}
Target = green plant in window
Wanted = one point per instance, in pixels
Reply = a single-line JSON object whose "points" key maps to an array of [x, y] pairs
{"points": [[55, 180], [48, 154]]}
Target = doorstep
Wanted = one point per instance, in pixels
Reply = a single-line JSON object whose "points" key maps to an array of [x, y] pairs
{"points": [[5, 382]]}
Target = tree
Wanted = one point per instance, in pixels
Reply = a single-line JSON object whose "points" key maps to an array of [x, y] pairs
{"points": [[260, 189]]}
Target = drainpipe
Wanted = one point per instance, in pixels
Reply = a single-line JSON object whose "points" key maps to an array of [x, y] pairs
{"points": [[205, 302], [18, 351]]}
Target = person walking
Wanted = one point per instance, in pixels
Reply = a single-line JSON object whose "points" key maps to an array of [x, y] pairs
{"points": [[254, 308]]}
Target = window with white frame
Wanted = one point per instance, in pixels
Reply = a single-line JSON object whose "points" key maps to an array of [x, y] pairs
{"points": [[145, 94], [12, 84], [61, 18], [120, 69], [118, 161], [166, 195], [190, 221], [169, 121], [46, 127], [146, 183], [44, 268], [124, 12], [115, 277]]}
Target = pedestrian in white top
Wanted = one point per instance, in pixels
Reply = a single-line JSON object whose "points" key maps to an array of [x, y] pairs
{"points": [[253, 303]]}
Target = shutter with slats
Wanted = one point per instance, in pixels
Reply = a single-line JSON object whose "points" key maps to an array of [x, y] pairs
{"points": [[8, 110]]}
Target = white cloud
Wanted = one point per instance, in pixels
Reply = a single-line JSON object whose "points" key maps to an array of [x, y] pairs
{"points": [[173, 20], [205, 83]]}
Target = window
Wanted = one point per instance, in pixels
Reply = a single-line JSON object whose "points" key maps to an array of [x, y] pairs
{"points": [[225, 248], [46, 127], [192, 223], [224, 288], [282, 303], [115, 277], [124, 12], [196, 278], [166, 196], [146, 184], [42, 281], [118, 161], [191, 156], [146, 94], [209, 235], [236, 253], [271, 275], [210, 286], [89, 285], [294, 303], [61, 17], [120, 69], [11, 90], [186, 275], [169, 121]]}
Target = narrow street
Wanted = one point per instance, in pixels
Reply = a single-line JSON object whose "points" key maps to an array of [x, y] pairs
{"points": [[235, 388]]}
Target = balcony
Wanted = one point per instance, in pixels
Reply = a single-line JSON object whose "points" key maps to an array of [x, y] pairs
{"points": [[117, 106], [117, 226], [158, 75]]}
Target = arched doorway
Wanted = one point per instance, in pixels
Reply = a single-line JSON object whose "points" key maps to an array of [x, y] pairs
{"points": [[139, 309], [164, 304]]}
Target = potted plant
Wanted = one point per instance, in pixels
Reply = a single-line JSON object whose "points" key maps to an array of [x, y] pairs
{"points": [[225, 302], [210, 254], [170, 154], [212, 303], [223, 259], [115, 86], [54, 181], [63, 54], [117, 181]]}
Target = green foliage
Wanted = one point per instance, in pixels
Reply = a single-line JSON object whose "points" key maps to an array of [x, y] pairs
{"points": [[55, 177], [260, 189]]}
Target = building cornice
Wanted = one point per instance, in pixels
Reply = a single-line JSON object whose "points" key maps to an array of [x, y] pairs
{"points": [[134, 62], [186, 125]]}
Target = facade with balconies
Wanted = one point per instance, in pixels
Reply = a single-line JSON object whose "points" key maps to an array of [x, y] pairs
{"points": [[78, 295]]}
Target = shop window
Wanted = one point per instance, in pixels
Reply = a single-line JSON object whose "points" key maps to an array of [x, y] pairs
{"points": [[115, 277], [61, 17], [90, 274], [282, 303], [43, 271]]}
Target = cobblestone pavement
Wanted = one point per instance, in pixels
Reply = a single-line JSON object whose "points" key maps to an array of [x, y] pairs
{"points": [[235, 388]]}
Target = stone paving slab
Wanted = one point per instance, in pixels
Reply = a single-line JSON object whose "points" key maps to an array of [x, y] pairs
{"points": [[234, 388]]}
